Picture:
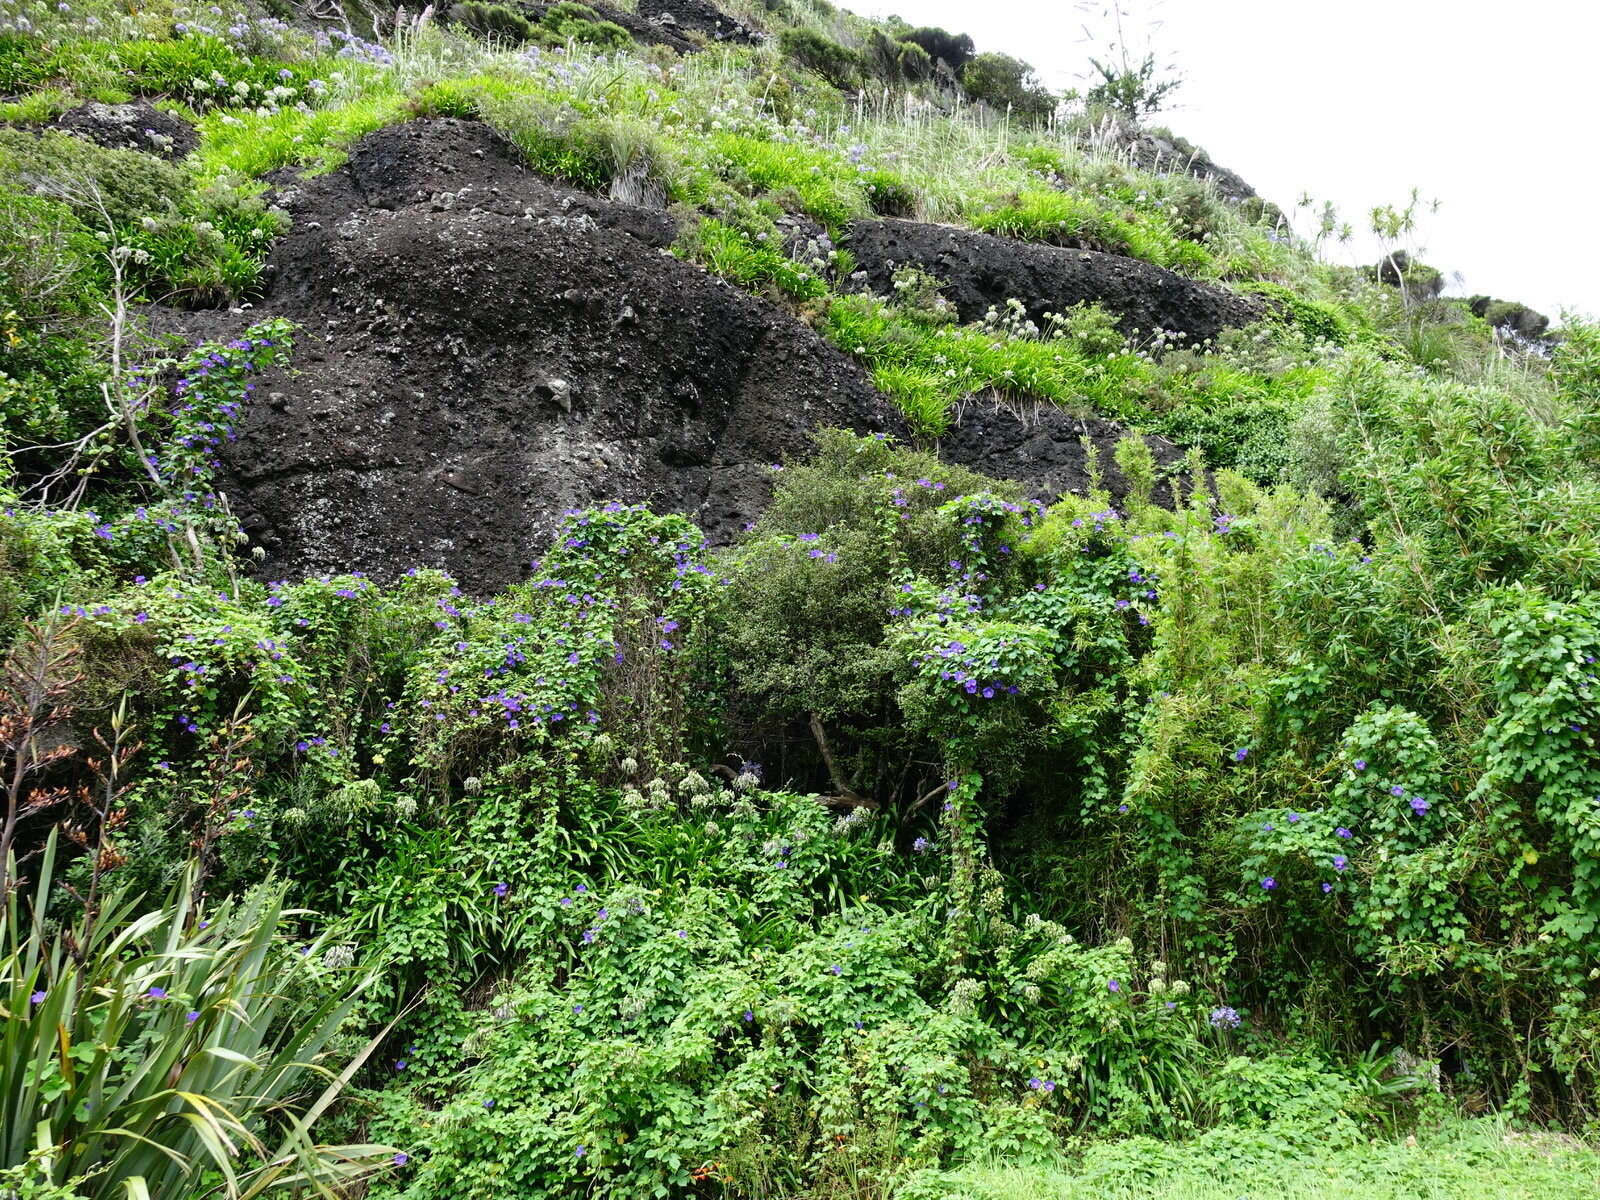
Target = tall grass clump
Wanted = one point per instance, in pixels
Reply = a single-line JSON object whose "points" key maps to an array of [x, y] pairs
{"points": [[150, 1047]]}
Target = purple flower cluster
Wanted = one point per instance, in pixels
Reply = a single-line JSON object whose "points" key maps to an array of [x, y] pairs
{"points": [[1223, 1017], [352, 47], [208, 399], [975, 674], [1098, 519]]}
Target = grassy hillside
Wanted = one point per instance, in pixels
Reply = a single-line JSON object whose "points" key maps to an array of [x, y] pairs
{"points": [[1236, 832]]}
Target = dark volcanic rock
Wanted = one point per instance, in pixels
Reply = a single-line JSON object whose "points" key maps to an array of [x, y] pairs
{"points": [[983, 272], [1043, 447], [481, 349], [1162, 153], [695, 17], [136, 126]]}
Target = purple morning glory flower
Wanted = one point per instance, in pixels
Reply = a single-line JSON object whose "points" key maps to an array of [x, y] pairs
{"points": [[1268, 883], [157, 993], [1113, 986], [500, 889], [1343, 832], [1240, 754], [1340, 862], [401, 1159]]}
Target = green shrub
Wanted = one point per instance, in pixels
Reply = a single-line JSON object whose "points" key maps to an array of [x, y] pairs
{"points": [[889, 194], [577, 22], [1316, 321], [52, 271], [179, 245], [1577, 372], [129, 184], [41, 560], [837, 64], [953, 50], [1009, 85], [809, 633], [493, 21], [1049, 161], [37, 108], [1248, 436], [892, 61]]}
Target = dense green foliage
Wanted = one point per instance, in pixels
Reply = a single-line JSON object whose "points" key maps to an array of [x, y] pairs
{"points": [[928, 841]]}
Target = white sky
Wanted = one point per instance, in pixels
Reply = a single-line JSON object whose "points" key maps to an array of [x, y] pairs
{"points": [[1491, 108]]}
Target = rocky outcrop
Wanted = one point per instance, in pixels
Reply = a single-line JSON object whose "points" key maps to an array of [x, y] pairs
{"points": [[139, 125], [1162, 152], [481, 350], [1046, 449], [981, 271], [695, 17]]}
